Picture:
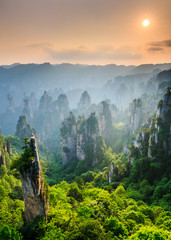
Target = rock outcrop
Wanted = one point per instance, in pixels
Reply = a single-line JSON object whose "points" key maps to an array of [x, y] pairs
{"points": [[135, 115], [5, 151], [68, 139], [45, 103], [23, 129], [47, 119], [26, 108], [9, 118], [163, 133], [80, 139], [110, 172], [34, 191], [105, 116], [155, 141], [2, 159], [84, 103], [88, 133], [62, 107], [11, 104], [9, 147], [33, 103]]}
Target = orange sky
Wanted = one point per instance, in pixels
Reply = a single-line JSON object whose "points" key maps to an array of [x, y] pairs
{"points": [[85, 31]]}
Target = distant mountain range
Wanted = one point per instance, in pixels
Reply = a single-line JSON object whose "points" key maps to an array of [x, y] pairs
{"points": [[10, 66], [17, 78]]}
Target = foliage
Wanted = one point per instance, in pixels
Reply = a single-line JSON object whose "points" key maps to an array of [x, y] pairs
{"points": [[9, 234], [152, 233], [22, 162]]}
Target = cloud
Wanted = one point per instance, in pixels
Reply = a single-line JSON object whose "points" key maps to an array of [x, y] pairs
{"points": [[159, 45], [82, 53], [40, 45], [155, 49]]}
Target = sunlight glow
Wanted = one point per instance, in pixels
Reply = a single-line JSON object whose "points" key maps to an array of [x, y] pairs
{"points": [[146, 23]]}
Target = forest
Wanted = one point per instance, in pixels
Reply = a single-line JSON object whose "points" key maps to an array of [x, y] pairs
{"points": [[87, 163]]}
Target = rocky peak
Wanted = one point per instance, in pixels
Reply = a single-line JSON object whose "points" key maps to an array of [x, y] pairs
{"points": [[47, 119], [68, 139], [164, 106], [91, 125], [155, 141], [33, 102], [110, 172], [26, 108], [11, 104], [63, 100], [84, 102], [23, 129], [9, 147], [135, 109], [45, 102], [62, 106], [34, 191], [5, 151], [105, 119], [79, 139]]}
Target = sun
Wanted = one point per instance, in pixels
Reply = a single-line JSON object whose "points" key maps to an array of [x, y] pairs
{"points": [[146, 23]]}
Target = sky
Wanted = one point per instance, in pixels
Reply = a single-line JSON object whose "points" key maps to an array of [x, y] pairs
{"points": [[85, 31]]}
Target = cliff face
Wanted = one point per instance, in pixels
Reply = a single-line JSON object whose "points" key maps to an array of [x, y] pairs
{"points": [[84, 103], [164, 107], [2, 159], [26, 108], [5, 151], [47, 119], [8, 119], [68, 139], [11, 104], [164, 121], [106, 121], [135, 115], [88, 133], [33, 103], [79, 139], [45, 103], [35, 194], [23, 129], [62, 106], [110, 172], [155, 141]]}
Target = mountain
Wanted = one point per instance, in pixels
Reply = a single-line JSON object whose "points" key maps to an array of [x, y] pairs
{"points": [[23, 78], [10, 66]]}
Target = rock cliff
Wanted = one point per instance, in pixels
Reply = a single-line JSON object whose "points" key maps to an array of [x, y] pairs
{"points": [[23, 129], [155, 141], [68, 139], [5, 151], [88, 133], [8, 119], [62, 107], [110, 172], [26, 108], [34, 191], [136, 116], [11, 104], [45, 103], [105, 117], [47, 119], [79, 139], [33, 103], [84, 103]]}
